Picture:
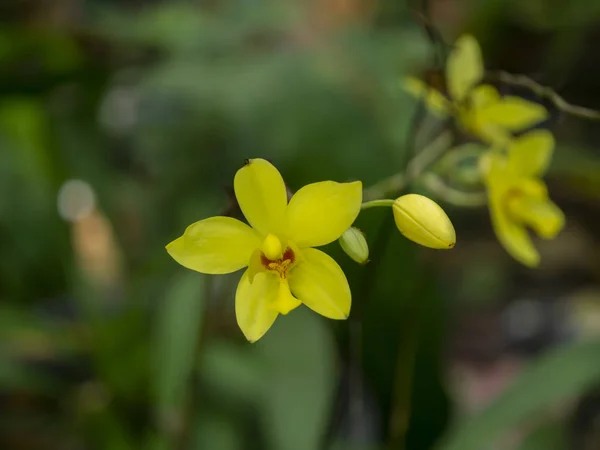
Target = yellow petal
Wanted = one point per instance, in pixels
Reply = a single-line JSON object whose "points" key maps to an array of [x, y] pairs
{"points": [[464, 68], [435, 100], [529, 187], [320, 284], [253, 304], [483, 95], [531, 153], [550, 220], [488, 132], [215, 246], [255, 265], [471, 119], [319, 213], [423, 221], [285, 301], [541, 214], [513, 113], [512, 235], [261, 194]]}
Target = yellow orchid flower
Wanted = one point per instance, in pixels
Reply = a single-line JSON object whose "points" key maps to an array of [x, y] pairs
{"points": [[517, 196], [479, 108], [283, 268]]}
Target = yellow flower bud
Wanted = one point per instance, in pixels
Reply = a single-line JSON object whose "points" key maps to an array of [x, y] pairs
{"points": [[355, 245], [423, 221]]}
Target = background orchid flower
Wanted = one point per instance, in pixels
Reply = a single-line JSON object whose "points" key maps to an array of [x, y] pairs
{"points": [[283, 268], [518, 198], [479, 108]]}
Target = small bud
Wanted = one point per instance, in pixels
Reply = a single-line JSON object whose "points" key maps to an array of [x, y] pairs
{"points": [[423, 221], [355, 245]]}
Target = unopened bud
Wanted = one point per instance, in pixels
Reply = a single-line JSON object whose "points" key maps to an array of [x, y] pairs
{"points": [[423, 221], [355, 245]]}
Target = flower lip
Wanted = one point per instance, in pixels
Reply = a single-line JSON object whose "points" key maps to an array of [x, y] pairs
{"points": [[543, 216], [279, 266], [511, 194]]}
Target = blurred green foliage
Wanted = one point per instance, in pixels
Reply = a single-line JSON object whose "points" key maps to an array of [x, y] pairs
{"points": [[107, 343]]}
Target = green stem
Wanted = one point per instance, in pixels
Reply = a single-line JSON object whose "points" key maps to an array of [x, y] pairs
{"points": [[459, 198], [402, 390], [375, 203], [415, 167]]}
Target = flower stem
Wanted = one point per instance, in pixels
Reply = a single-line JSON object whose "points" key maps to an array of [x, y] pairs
{"points": [[459, 198], [549, 93], [415, 167], [376, 203]]}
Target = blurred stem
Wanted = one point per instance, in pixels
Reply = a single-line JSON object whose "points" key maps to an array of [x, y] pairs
{"points": [[181, 437], [450, 195], [393, 187], [454, 159], [401, 407], [546, 92], [414, 168]]}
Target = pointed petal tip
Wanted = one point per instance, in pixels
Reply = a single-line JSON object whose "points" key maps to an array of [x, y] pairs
{"points": [[343, 316], [216, 245], [170, 245], [171, 248], [532, 262]]}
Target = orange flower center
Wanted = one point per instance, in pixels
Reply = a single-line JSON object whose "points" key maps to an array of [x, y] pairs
{"points": [[281, 265]]}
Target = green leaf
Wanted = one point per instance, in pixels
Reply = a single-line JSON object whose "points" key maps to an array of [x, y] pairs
{"points": [[561, 374], [18, 375], [178, 328], [231, 372], [299, 384], [218, 432], [548, 436]]}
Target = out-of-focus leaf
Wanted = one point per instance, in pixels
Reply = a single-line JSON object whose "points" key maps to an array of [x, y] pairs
{"points": [[106, 429], [427, 401], [178, 325], [232, 372], [217, 432], [559, 375], [15, 375], [299, 383], [549, 436], [169, 26], [23, 124], [579, 168]]}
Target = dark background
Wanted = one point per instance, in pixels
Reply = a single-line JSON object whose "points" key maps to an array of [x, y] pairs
{"points": [[107, 343]]}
